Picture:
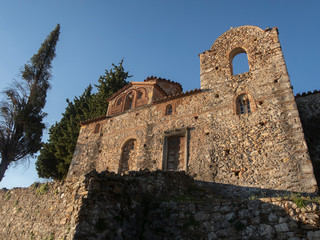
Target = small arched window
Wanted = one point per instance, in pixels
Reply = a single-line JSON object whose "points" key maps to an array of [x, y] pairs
{"points": [[243, 104], [168, 109], [238, 61], [119, 102], [97, 128]]}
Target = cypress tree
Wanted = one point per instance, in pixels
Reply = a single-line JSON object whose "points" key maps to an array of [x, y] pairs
{"points": [[21, 120]]}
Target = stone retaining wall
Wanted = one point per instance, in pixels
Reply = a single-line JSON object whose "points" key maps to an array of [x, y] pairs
{"points": [[149, 205], [44, 211]]}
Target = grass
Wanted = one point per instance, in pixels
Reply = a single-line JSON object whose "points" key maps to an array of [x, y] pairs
{"points": [[253, 197], [302, 201], [7, 195]]}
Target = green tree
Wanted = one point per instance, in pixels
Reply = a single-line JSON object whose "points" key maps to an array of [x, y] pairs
{"points": [[21, 120], [56, 155], [109, 83]]}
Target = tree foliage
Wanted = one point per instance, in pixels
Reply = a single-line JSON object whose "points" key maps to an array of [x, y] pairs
{"points": [[56, 155], [21, 120]]}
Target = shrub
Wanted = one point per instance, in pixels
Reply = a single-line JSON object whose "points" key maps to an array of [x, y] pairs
{"points": [[42, 190], [299, 200]]}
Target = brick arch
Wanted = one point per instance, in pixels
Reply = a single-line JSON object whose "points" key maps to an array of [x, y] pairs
{"points": [[119, 98], [129, 151], [118, 105], [141, 99], [129, 101], [251, 98]]}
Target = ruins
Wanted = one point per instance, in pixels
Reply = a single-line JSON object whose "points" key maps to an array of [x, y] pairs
{"points": [[240, 129]]}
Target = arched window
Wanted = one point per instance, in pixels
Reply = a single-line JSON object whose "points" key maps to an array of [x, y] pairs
{"points": [[140, 94], [128, 155], [97, 128], [238, 61], [141, 98], [129, 101], [168, 109], [243, 104], [119, 102]]}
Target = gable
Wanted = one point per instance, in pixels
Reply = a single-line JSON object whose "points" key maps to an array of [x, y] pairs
{"points": [[133, 95]]}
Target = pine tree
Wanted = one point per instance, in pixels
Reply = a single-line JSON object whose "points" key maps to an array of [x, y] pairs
{"points": [[21, 120], [56, 155]]}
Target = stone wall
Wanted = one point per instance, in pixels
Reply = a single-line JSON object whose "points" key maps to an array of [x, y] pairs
{"points": [[150, 205], [47, 211], [167, 205], [309, 109]]}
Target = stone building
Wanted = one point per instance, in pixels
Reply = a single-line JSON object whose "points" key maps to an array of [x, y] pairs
{"points": [[239, 129]]}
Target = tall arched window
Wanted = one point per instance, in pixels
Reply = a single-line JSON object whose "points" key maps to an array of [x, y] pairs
{"points": [[168, 109], [129, 101], [243, 104], [238, 61], [128, 156], [140, 94]]}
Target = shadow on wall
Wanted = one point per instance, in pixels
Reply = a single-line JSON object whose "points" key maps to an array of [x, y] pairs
{"points": [[228, 191], [311, 129], [170, 205]]}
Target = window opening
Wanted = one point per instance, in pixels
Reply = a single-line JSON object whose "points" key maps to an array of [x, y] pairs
{"points": [[239, 61], [243, 103], [119, 102], [175, 153], [128, 155], [129, 101], [140, 95], [169, 109], [97, 128]]}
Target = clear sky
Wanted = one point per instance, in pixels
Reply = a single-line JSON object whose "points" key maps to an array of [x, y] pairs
{"points": [[155, 37]]}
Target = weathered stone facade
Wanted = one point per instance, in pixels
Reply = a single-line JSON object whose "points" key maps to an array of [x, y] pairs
{"points": [[242, 129]]}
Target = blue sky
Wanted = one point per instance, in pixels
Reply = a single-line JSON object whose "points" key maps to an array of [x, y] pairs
{"points": [[155, 37]]}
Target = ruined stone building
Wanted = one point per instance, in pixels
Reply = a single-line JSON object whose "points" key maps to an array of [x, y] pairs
{"points": [[240, 129]]}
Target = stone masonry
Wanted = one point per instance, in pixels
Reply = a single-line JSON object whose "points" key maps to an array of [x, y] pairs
{"points": [[145, 205], [309, 109], [242, 130]]}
